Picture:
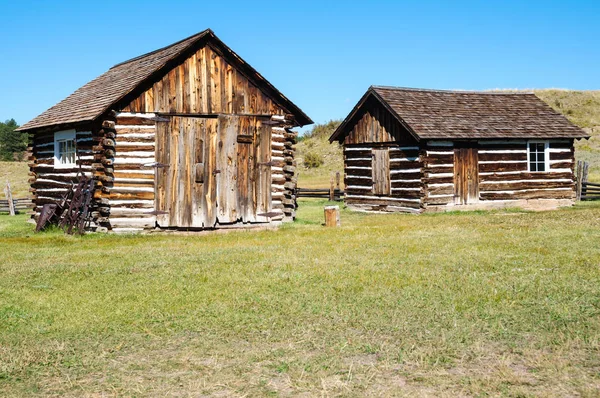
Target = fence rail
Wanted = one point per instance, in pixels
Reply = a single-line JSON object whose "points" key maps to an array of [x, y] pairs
{"points": [[20, 204], [323, 193], [590, 191]]}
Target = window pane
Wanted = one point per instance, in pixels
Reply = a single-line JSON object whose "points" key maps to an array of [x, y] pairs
{"points": [[531, 147], [540, 157], [541, 166], [532, 166]]}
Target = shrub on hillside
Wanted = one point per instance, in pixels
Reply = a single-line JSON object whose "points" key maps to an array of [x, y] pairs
{"points": [[312, 160], [323, 130]]}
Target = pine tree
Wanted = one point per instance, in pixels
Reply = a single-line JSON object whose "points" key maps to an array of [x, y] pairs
{"points": [[12, 143]]}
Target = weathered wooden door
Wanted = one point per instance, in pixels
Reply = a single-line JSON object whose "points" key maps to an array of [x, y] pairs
{"points": [[186, 170], [466, 175], [212, 171], [381, 171]]}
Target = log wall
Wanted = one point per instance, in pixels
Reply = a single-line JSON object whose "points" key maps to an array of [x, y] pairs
{"points": [[406, 186], [503, 172], [438, 172], [131, 192], [49, 184], [283, 173]]}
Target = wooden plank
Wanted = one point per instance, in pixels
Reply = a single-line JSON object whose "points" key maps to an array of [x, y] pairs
{"points": [[210, 192], [226, 163], [263, 156]]}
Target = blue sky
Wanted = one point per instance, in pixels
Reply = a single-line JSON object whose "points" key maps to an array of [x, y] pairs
{"points": [[323, 54]]}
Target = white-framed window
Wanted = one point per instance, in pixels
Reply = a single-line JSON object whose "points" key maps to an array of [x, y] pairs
{"points": [[537, 156], [64, 149]]}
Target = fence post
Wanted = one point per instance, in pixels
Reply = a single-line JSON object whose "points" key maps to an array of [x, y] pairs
{"points": [[332, 216], [586, 171], [11, 204], [584, 180], [579, 182], [331, 189]]}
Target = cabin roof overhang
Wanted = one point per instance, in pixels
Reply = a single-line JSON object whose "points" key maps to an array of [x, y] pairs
{"points": [[465, 115], [124, 81]]}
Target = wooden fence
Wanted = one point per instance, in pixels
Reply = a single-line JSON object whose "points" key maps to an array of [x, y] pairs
{"points": [[334, 192], [20, 205], [585, 190], [322, 193], [590, 191]]}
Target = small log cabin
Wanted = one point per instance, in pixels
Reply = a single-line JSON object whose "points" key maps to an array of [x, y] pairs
{"points": [[189, 136], [414, 150]]}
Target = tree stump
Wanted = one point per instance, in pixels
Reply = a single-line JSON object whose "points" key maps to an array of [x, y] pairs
{"points": [[332, 216]]}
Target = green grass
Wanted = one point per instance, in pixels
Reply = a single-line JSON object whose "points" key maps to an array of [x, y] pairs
{"points": [[480, 303]]}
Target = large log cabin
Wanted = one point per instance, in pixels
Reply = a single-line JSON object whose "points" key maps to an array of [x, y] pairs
{"points": [[189, 136], [415, 150]]}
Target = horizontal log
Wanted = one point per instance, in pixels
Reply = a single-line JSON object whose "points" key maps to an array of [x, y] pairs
{"points": [[536, 194], [440, 190], [135, 148], [358, 181], [143, 222], [131, 195], [508, 186], [405, 165], [525, 176], [562, 165], [438, 170], [134, 121], [490, 157], [438, 180], [406, 184], [413, 154], [562, 155], [561, 145], [358, 172], [502, 146], [499, 167], [439, 200], [363, 153], [359, 162], [438, 159]]}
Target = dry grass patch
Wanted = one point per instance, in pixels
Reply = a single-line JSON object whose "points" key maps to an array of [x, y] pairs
{"points": [[16, 174], [433, 305]]}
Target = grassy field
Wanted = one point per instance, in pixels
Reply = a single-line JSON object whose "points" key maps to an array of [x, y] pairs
{"points": [[471, 304], [16, 174]]}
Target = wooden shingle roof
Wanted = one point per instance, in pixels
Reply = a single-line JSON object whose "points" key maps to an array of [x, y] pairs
{"points": [[457, 115], [98, 96]]}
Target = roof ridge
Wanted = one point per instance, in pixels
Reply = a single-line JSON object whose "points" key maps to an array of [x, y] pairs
{"points": [[432, 90], [199, 34]]}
